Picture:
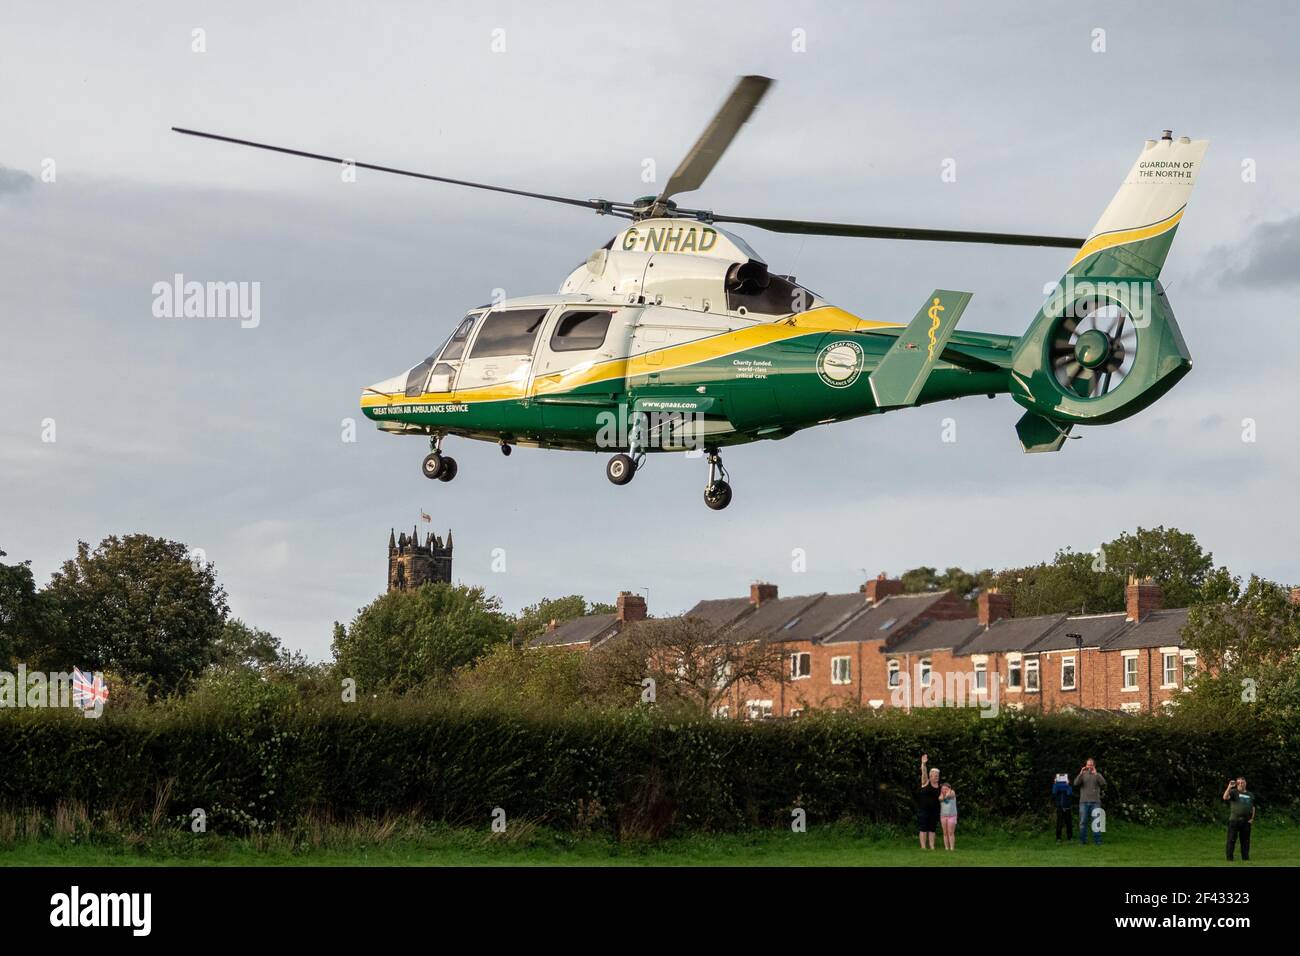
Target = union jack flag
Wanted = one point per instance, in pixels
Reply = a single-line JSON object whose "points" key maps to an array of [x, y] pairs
{"points": [[88, 691], [425, 517]]}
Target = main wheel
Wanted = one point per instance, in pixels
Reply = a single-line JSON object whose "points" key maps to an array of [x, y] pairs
{"points": [[448, 469], [620, 469], [717, 495], [432, 465]]}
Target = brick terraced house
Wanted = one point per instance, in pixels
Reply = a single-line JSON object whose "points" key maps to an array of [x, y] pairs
{"points": [[880, 648]]}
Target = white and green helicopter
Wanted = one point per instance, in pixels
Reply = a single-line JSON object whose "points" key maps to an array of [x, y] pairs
{"points": [[675, 335]]}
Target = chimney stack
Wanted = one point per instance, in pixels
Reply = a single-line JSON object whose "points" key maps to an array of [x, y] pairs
{"points": [[993, 606], [552, 626], [1142, 596], [1295, 595], [761, 592], [881, 587], [631, 607]]}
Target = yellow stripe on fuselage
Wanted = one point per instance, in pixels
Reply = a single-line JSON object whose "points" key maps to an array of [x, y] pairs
{"points": [[1123, 237], [717, 345]]}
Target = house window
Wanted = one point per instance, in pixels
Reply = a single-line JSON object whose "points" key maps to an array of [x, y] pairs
{"points": [[1031, 674], [800, 665], [796, 712], [1169, 669], [1013, 673], [1132, 707], [758, 709], [1067, 673], [722, 710], [1131, 672], [841, 670], [1189, 668], [925, 672], [893, 673], [981, 676]]}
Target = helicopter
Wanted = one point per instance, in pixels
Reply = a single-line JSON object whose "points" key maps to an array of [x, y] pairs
{"points": [[676, 336]]}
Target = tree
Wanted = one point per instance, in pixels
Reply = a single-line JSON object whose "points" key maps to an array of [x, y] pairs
{"points": [[1247, 640], [242, 646], [535, 618], [24, 620], [958, 580], [407, 638], [544, 679], [693, 662], [1079, 582], [140, 606]]}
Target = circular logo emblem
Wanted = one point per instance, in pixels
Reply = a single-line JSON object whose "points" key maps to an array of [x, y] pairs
{"points": [[840, 364]]}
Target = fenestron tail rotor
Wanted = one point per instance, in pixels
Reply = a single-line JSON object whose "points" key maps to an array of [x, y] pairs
{"points": [[689, 175], [1093, 348]]}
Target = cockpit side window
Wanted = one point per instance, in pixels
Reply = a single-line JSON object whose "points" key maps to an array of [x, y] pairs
{"points": [[416, 378], [455, 347], [512, 332]]}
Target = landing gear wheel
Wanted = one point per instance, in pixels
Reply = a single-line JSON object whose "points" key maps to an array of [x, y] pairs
{"points": [[433, 465], [620, 469], [448, 469], [717, 495]]}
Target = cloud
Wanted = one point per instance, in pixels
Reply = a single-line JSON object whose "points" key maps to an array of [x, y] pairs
{"points": [[1270, 257], [14, 181]]}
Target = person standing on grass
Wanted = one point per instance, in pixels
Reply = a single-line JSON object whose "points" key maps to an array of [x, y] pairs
{"points": [[927, 804], [1241, 814], [948, 816], [1061, 793], [1089, 783]]}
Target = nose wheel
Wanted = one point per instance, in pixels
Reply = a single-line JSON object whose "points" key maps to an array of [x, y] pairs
{"points": [[620, 469], [717, 493], [438, 466]]}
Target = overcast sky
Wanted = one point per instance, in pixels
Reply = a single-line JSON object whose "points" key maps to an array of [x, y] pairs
{"points": [[230, 439]]}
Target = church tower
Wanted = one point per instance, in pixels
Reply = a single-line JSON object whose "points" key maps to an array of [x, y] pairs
{"points": [[411, 564]]}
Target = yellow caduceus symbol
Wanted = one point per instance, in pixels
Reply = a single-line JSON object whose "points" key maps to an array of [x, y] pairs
{"points": [[934, 326]]}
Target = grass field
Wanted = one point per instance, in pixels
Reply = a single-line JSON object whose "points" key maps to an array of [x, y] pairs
{"points": [[1127, 845]]}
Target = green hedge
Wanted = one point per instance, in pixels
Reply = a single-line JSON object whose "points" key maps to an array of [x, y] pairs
{"points": [[628, 772]]}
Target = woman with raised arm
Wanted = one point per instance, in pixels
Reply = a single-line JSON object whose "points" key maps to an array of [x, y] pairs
{"points": [[927, 803]]}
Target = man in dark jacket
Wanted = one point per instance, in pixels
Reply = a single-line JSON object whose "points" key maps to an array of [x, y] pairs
{"points": [[1241, 814], [1061, 793]]}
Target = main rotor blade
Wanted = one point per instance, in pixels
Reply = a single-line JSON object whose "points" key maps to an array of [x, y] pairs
{"points": [[717, 136], [588, 203], [899, 232]]}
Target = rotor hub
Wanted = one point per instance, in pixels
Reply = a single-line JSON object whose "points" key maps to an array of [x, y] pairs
{"points": [[1092, 349]]}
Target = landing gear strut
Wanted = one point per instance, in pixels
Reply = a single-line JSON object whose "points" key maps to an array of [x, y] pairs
{"points": [[436, 464], [623, 468], [717, 493]]}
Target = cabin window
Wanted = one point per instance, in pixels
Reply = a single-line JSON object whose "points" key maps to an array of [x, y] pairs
{"points": [[578, 331], [508, 333]]}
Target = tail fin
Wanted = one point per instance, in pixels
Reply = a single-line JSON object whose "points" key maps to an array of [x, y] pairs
{"points": [[1133, 236], [1105, 344]]}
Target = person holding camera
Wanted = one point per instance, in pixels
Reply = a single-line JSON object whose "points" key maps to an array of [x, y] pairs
{"points": [[1089, 783], [1241, 814]]}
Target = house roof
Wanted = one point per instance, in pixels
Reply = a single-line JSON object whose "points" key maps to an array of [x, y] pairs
{"points": [[885, 618], [824, 616], [939, 635], [578, 630], [1095, 629], [776, 619], [1157, 629], [1011, 634], [721, 610]]}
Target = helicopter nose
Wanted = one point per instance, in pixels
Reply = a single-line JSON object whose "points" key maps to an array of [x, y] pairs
{"points": [[389, 386]]}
